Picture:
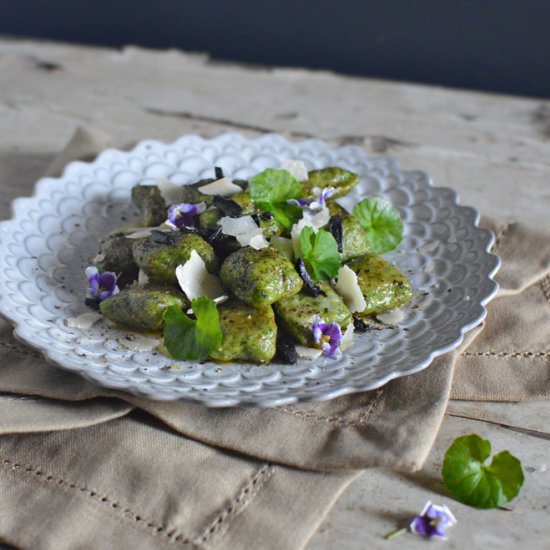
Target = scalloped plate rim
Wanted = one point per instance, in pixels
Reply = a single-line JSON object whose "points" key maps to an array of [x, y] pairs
{"points": [[19, 330]]}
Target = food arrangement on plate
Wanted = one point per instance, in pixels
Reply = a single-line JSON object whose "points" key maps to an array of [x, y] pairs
{"points": [[251, 270], [53, 236]]}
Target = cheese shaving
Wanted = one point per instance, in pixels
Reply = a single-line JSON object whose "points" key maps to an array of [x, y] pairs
{"points": [[83, 321], [195, 281], [392, 317], [139, 342], [143, 278], [245, 230], [283, 245], [296, 168], [347, 337], [348, 287], [308, 353], [223, 187], [169, 191], [146, 231]]}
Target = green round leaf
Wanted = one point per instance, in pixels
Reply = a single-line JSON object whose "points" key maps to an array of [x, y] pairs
{"points": [[320, 253], [270, 191], [274, 186], [472, 482], [381, 222], [189, 339]]}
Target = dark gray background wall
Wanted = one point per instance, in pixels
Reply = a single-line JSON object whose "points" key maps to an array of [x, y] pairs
{"points": [[494, 45]]}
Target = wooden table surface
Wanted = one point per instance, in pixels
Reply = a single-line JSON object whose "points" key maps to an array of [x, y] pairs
{"points": [[494, 150]]}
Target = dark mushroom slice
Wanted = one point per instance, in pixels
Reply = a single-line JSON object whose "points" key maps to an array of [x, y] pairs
{"points": [[141, 307], [296, 314], [249, 334], [309, 286], [335, 229], [286, 349], [227, 206], [381, 283], [342, 180], [115, 254], [259, 277], [354, 240], [159, 261]]}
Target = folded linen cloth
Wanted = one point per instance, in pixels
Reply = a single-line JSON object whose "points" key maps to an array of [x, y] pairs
{"points": [[241, 471]]}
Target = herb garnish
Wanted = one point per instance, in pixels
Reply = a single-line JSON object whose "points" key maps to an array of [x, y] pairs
{"points": [[271, 189], [381, 222], [472, 482], [320, 254], [190, 339]]}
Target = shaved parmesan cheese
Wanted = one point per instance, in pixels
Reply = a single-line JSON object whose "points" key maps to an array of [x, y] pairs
{"points": [[428, 247], [83, 321], [348, 287], [139, 342], [146, 231], [170, 192], [237, 226], [140, 233], [296, 168], [223, 187], [245, 230], [308, 353], [284, 246], [391, 317], [258, 241], [195, 281], [295, 236], [321, 218], [143, 278], [347, 337]]}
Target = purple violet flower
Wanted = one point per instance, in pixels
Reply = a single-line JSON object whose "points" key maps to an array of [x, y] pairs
{"points": [[432, 521], [302, 203], [182, 215], [328, 335], [317, 201], [101, 285]]}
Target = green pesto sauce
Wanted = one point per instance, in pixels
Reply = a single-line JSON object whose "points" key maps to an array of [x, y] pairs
{"points": [[209, 218], [271, 228], [245, 202], [118, 258], [296, 313], [249, 334], [354, 239], [381, 283], [141, 307], [259, 277], [342, 180], [159, 261]]}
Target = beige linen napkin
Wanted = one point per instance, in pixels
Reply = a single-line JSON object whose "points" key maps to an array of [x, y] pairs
{"points": [[511, 360], [262, 500]]}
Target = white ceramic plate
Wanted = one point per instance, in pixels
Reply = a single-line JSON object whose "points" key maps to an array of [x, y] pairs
{"points": [[52, 236]]}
